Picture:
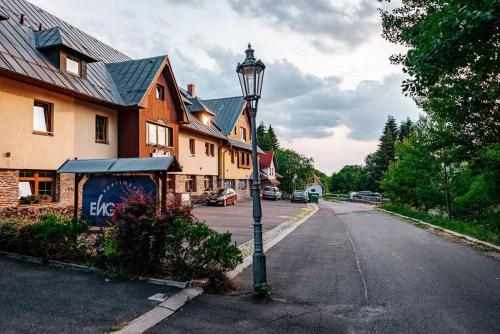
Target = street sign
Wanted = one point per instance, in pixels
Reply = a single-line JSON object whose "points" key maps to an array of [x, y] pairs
{"points": [[102, 193]]}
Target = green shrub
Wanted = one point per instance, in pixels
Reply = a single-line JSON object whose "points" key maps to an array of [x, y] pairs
{"points": [[196, 251], [8, 234], [54, 236], [264, 291]]}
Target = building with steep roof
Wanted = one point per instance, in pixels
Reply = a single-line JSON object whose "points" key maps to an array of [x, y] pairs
{"points": [[65, 95], [230, 116], [268, 165]]}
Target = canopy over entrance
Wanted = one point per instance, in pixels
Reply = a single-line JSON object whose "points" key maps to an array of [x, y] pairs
{"points": [[157, 166], [120, 166]]}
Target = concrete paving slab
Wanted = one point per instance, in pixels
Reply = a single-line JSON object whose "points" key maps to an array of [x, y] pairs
{"points": [[238, 219]]}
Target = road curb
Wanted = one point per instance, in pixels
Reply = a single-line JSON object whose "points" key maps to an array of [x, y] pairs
{"points": [[284, 229], [460, 235], [161, 312]]}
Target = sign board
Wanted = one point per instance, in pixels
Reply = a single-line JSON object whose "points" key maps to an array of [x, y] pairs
{"points": [[102, 193]]}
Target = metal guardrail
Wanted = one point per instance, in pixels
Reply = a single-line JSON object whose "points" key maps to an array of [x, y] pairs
{"points": [[357, 199]]}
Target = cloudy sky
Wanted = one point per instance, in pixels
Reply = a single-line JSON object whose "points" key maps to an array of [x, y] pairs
{"points": [[329, 86]]}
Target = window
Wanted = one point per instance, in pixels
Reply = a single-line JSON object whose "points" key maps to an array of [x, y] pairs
{"points": [[229, 184], [192, 149], [170, 182], [232, 156], [157, 134], [243, 185], [209, 149], [190, 184], [234, 130], [243, 133], [73, 65], [101, 129], [41, 183], [42, 118], [208, 181], [244, 160], [160, 92]]}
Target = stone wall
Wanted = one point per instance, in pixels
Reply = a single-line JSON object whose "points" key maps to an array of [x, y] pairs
{"points": [[9, 195], [9, 188]]}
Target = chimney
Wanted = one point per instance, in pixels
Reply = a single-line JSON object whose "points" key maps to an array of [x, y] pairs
{"points": [[22, 19], [40, 27], [192, 89]]}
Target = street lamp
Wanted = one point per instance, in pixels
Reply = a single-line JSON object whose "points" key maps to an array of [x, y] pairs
{"points": [[251, 75]]}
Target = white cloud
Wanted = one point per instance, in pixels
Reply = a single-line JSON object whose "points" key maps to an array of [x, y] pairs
{"points": [[334, 151]]}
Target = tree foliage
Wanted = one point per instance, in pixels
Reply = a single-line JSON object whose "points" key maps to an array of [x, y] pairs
{"points": [[349, 178], [454, 75], [453, 62], [291, 163], [378, 162]]}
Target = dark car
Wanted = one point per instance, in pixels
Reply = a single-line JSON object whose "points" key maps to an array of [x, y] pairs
{"points": [[223, 197], [299, 196]]}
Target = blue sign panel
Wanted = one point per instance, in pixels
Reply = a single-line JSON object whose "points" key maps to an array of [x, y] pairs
{"points": [[102, 193]]}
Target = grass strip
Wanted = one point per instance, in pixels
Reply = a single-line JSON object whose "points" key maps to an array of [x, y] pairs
{"points": [[479, 230]]}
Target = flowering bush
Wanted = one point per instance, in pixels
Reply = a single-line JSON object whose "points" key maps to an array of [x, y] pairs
{"points": [[135, 239]]}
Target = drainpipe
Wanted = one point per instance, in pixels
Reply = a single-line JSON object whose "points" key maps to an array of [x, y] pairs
{"points": [[224, 161]]}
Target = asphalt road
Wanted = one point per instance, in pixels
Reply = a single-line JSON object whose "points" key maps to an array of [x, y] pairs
{"points": [[238, 220], [350, 269], [38, 299]]}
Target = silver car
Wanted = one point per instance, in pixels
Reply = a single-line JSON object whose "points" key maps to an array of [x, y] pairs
{"points": [[271, 192]]}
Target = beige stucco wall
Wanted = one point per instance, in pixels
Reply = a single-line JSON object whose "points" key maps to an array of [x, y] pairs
{"points": [[231, 171], [74, 129], [200, 163]]}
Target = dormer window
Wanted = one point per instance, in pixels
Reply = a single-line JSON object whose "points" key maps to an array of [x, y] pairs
{"points": [[206, 119], [73, 65]]}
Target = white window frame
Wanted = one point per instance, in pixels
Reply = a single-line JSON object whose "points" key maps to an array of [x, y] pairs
{"points": [[71, 62], [150, 126]]}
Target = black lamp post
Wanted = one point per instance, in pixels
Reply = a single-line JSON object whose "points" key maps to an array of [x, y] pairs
{"points": [[251, 75]]}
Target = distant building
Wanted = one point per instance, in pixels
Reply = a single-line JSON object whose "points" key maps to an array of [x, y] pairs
{"points": [[315, 186], [268, 165]]}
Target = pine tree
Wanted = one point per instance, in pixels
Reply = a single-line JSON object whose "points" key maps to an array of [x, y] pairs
{"points": [[379, 162], [275, 145], [263, 138], [405, 129]]}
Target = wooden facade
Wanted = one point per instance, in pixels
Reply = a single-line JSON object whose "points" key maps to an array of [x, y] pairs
{"points": [[166, 111]]}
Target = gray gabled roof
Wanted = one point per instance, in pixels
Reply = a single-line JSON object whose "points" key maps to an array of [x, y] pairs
{"points": [[241, 144], [113, 77], [227, 111], [198, 106], [121, 165], [195, 125], [133, 77]]}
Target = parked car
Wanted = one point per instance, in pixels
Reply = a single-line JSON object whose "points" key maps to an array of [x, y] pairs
{"points": [[366, 195], [223, 197], [271, 192], [299, 196]]}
